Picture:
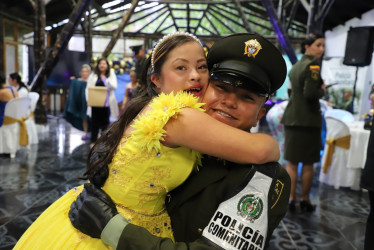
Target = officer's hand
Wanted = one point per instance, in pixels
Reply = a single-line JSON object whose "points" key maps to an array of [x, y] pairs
{"points": [[92, 211]]}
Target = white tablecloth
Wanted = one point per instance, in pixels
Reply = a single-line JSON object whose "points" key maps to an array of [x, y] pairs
{"points": [[359, 144]]}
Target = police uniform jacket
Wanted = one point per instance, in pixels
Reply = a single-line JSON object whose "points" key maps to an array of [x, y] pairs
{"points": [[368, 171], [192, 205], [303, 108]]}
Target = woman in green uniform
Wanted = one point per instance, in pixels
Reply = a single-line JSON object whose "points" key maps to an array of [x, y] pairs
{"points": [[302, 118]]}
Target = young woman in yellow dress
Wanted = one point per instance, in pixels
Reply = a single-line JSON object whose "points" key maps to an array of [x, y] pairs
{"points": [[153, 148]]}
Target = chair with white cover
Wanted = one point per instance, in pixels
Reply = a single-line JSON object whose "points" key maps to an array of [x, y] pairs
{"points": [[334, 169], [30, 122], [340, 114], [13, 132]]}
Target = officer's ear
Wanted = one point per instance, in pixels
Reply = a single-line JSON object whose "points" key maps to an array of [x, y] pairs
{"points": [[260, 114]]}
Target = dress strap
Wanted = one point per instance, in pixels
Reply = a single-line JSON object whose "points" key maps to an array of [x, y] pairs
{"points": [[11, 89]]}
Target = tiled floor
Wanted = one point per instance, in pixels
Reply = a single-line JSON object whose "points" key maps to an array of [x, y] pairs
{"points": [[37, 177]]}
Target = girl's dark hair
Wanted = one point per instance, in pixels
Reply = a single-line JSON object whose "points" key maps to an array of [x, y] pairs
{"points": [[97, 71], [309, 39], [106, 145], [17, 77]]}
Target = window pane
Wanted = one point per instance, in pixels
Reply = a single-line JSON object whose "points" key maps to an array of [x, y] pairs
{"points": [[9, 31], [24, 35], [10, 58]]}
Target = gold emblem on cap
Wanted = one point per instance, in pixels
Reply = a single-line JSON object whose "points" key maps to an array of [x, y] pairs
{"points": [[238, 83], [252, 47]]}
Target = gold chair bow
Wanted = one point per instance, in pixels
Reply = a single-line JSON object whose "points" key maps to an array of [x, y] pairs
{"points": [[23, 136], [343, 142]]}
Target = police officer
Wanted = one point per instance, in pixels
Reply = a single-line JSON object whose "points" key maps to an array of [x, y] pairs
{"points": [[302, 119], [224, 204], [139, 54], [367, 177]]}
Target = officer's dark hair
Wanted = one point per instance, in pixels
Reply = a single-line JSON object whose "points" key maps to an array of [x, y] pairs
{"points": [[17, 77], [97, 71], [309, 40], [102, 152]]}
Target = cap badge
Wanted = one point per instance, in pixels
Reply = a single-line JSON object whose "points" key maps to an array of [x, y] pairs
{"points": [[252, 47], [238, 83]]}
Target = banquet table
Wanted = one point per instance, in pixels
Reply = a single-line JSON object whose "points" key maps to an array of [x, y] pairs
{"points": [[359, 144], [345, 171]]}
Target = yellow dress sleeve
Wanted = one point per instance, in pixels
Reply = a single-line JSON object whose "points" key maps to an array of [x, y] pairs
{"points": [[149, 128]]}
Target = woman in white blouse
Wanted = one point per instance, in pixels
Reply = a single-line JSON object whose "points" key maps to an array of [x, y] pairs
{"points": [[15, 81], [103, 76]]}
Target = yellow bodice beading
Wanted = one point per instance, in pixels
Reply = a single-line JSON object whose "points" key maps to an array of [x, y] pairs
{"points": [[141, 174]]}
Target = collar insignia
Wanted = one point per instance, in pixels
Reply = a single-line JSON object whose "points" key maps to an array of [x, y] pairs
{"points": [[252, 47]]}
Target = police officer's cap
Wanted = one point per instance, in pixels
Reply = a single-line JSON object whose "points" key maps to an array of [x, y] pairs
{"points": [[247, 61], [136, 48]]}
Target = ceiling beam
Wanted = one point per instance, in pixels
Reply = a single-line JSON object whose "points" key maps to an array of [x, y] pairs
{"points": [[211, 11], [225, 16], [279, 31], [32, 4], [163, 9], [120, 28], [210, 22], [172, 17], [305, 5], [224, 8], [98, 8], [197, 1], [241, 13], [325, 9], [188, 18], [154, 19], [171, 25], [161, 23], [202, 17], [292, 13]]}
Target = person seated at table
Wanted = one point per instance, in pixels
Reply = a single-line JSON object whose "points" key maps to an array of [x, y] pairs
{"points": [[15, 81], [7, 93]]}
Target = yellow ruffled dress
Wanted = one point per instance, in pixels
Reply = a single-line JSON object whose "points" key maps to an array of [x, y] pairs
{"points": [[141, 174]]}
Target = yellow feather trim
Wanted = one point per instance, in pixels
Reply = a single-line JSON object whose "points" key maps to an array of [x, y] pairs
{"points": [[149, 128]]}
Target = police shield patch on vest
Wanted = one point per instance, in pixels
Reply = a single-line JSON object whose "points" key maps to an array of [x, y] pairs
{"points": [[241, 222]]}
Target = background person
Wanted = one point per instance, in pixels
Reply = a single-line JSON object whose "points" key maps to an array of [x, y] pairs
{"points": [[129, 91], [232, 97], [100, 116], [139, 54], [7, 93], [302, 119], [367, 178], [15, 81], [273, 118], [75, 111]]}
